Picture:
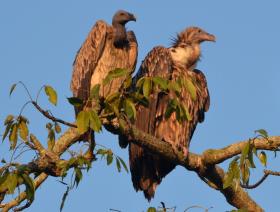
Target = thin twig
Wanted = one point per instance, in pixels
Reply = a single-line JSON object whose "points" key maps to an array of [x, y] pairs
{"points": [[49, 116], [266, 174]]}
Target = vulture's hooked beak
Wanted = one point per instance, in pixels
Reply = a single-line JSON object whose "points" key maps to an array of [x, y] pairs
{"points": [[207, 37], [132, 17]]}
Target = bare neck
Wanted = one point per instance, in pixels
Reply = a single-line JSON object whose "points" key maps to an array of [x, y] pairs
{"points": [[120, 37]]}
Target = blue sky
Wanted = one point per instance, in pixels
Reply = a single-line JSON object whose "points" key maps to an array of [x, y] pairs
{"points": [[39, 40]]}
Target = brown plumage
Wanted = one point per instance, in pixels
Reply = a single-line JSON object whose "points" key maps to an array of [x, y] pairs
{"points": [[148, 169], [105, 49]]}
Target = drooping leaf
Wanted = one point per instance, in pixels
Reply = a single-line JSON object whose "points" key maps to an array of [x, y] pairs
{"points": [[251, 159], [129, 109], [57, 128], [7, 130], [78, 175], [245, 173], [140, 82], [190, 88], [109, 158], [8, 119], [12, 88], [174, 86], [83, 121], [233, 173], [116, 73], [75, 101], [11, 182], [23, 130], [30, 187], [123, 164], [245, 152], [51, 139], [95, 122], [64, 198], [161, 82], [187, 115], [152, 209], [147, 87], [118, 164], [101, 152], [51, 93], [49, 126], [112, 97], [13, 137], [94, 92], [263, 158], [127, 82], [171, 107], [262, 132]]}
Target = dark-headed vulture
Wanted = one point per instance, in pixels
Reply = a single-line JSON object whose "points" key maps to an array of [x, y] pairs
{"points": [[105, 49], [178, 61]]}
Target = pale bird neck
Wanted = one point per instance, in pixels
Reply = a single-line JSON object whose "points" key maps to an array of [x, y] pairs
{"points": [[186, 55]]}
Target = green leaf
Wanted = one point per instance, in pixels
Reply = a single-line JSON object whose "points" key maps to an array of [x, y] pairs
{"points": [[11, 182], [78, 175], [174, 86], [75, 101], [13, 137], [7, 130], [191, 88], [263, 158], [118, 164], [152, 209], [94, 92], [245, 152], [109, 158], [140, 82], [64, 198], [101, 152], [116, 73], [9, 119], [112, 97], [95, 122], [161, 82], [49, 126], [251, 159], [30, 187], [51, 93], [82, 121], [123, 164], [51, 139], [12, 88], [130, 109], [245, 172], [23, 130], [233, 173], [57, 127], [187, 115], [262, 132], [127, 82], [147, 87], [171, 107]]}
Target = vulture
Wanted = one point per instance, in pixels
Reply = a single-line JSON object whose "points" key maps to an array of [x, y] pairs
{"points": [[178, 61], [105, 49]]}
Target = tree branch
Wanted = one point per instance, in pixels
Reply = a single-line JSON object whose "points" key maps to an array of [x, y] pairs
{"points": [[216, 156]]}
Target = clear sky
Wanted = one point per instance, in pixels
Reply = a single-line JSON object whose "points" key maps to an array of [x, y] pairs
{"points": [[39, 40]]}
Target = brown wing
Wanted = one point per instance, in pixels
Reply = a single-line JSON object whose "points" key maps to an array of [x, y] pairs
{"points": [[147, 169], [86, 60]]}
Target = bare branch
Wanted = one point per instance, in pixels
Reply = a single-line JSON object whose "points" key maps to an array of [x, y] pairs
{"points": [[216, 156], [49, 116]]}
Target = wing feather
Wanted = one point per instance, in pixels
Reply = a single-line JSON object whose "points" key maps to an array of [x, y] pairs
{"points": [[86, 60]]}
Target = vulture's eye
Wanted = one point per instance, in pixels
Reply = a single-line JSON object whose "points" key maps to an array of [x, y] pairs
{"points": [[199, 31], [122, 14]]}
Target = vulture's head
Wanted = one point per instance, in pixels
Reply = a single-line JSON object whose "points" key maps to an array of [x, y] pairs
{"points": [[194, 35], [122, 17]]}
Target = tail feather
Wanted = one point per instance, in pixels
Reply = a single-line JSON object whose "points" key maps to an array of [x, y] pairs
{"points": [[147, 170]]}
